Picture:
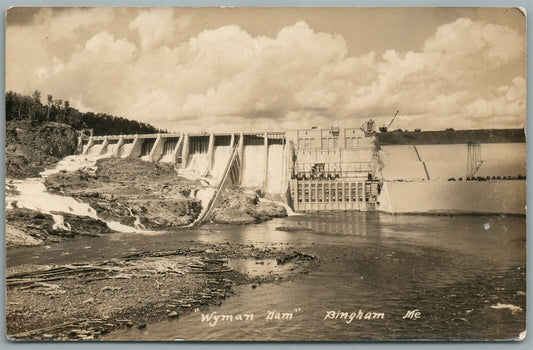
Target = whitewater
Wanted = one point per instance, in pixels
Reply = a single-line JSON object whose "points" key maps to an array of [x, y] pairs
{"points": [[32, 194]]}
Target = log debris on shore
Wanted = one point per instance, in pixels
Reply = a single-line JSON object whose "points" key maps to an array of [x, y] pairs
{"points": [[83, 301]]}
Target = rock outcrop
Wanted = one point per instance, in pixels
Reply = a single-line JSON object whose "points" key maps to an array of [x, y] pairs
{"points": [[132, 192], [32, 147], [239, 207]]}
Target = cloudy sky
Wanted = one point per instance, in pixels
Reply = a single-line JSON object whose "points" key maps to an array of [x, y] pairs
{"points": [[235, 69]]}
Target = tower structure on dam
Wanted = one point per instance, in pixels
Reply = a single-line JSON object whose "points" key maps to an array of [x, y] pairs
{"points": [[333, 168]]}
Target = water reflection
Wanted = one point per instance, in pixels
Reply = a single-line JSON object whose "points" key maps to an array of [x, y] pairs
{"points": [[444, 266], [259, 267], [341, 223], [489, 238]]}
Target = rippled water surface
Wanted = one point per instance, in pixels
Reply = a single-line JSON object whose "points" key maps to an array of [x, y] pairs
{"points": [[464, 275]]}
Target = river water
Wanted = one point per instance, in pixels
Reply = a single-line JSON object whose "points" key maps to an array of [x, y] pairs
{"points": [[464, 274]]}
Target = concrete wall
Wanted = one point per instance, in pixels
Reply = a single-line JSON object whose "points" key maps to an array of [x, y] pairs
{"points": [[400, 162], [503, 197], [503, 159], [444, 161]]}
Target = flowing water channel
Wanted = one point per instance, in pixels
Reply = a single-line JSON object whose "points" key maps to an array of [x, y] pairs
{"points": [[464, 276]]}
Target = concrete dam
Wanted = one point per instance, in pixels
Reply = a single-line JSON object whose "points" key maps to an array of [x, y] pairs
{"points": [[448, 172]]}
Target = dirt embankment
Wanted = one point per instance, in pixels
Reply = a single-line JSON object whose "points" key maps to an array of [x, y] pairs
{"points": [[125, 190], [84, 301], [31, 147], [240, 207]]}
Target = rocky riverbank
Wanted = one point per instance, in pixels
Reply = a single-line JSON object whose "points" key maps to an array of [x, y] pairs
{"points": [[132, 190], [154, 196], [29, 227], [85, 300], [240, 207], [136, 193]]}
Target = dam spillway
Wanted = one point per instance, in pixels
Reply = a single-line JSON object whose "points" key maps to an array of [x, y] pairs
{"points": [[348, 169]]}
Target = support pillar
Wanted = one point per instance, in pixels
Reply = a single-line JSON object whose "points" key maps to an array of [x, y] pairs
{"points": [[157, 149], [185, 151], [89, 145], [323, 188], [364, 196], [79, 147], [176, 150], [265, 179], [136, 148], [104, 145], [116, 151], [210, 151], [241, 156], [283, 188], [357, 196]]}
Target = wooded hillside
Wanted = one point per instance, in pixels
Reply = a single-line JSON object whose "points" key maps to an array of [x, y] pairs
{"points": [[31, 108]]}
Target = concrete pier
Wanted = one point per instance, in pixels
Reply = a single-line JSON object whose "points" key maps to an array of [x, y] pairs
{"points": [[210, 150], [135, 150], [265, 179], [241, 155], [104, 145], [176, 154], [185, 151], [157, 150], [120, 142]]}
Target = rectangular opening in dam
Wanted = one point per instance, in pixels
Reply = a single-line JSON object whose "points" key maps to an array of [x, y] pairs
{"points": [[170, 145], [276, 139], [198, 144], [110, 147], [345, 194], [222, 140], [254, 140], [126, 147], [147, 146]]}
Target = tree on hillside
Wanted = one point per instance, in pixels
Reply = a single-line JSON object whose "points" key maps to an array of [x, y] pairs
{"points": [[58, 103], [36, 96], [50, 99], [20, 106]]}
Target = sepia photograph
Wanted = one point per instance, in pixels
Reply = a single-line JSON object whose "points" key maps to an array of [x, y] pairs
{"points": [[265, 174]]}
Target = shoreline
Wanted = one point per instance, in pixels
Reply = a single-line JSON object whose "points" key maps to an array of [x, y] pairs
{"points": [[84, 301]]}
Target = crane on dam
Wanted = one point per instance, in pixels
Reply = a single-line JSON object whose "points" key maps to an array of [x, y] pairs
{"points": [[386, 128]]}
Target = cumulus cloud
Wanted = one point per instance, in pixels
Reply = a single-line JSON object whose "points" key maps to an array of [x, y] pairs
{"points": [[159, 26], [446, 81], [227, 78], [65, 24]]}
